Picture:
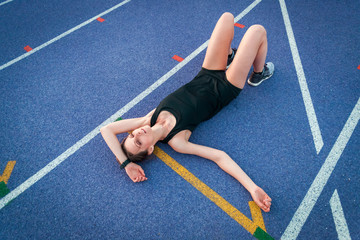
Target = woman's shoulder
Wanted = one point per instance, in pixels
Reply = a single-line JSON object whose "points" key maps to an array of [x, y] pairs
{"points": [[179, 141]]}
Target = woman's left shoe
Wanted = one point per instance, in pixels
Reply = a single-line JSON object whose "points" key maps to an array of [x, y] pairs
{"points": [[256, 78]]}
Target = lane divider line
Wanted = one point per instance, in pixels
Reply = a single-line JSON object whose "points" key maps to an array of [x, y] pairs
{"points": [[309, 107], [3, 3], [61, 36], [250, 226], [256, 215], [7, 172], [79, 144], [339, 217], [308, 203]]}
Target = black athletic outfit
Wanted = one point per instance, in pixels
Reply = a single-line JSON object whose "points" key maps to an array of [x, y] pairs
{"points": [[197, 101]]}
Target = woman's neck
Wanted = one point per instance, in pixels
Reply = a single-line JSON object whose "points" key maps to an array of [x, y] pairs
{"points": [[163, 126], [160, 131]]}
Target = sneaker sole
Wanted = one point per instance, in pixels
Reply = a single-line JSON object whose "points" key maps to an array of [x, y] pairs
{"points": [[257, 84]]}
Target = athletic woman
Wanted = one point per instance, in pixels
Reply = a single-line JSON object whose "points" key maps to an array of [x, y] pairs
{"points": [[178, 114]]}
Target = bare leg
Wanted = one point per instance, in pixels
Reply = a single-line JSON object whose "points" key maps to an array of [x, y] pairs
{"points": [[219, 44], [251, 52]]}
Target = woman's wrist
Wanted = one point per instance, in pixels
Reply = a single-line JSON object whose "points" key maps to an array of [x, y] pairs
{"points": [[125, 163], [253, 188]]}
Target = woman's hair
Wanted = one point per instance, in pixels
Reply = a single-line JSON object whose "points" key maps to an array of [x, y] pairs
{"points": [[133, 157]]}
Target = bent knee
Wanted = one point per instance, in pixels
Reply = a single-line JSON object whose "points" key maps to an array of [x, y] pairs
{"points": [[259, 29], [227, 16]]}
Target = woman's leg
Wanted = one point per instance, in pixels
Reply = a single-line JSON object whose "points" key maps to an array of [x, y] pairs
{"points": [[251, 52], [219, 44]]}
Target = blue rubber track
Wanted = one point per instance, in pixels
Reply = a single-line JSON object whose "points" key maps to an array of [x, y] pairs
{"points": [[56, 96]]}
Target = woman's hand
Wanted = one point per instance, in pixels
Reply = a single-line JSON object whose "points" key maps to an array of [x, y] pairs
{"points": [[135, 172], [261, 199]]}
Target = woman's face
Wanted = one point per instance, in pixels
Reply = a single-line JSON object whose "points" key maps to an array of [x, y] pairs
{"points": [[140, 140]]}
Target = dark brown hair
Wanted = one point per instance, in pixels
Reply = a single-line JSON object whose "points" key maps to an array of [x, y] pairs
{"points": [[133, 157]]}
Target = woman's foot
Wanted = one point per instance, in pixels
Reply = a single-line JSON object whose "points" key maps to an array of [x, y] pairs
{"points": [[256, 78], [261, 199]]}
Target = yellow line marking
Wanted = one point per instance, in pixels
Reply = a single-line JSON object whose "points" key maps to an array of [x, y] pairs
{"points": [[256, 215], [249, 225], [7, 172]]}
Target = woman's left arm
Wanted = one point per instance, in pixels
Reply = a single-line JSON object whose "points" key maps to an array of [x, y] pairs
{"points": [[221, 158], [226, 163], [109, 133], [128, 125]]}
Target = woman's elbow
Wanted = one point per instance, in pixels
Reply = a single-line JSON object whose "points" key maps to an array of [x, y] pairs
{"points": [[104, 129], [220, 156]]}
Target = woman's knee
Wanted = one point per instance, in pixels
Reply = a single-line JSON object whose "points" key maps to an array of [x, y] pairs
{"points": [[258, 29], [227, 17]]}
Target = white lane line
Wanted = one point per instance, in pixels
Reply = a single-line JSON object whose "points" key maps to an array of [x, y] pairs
{"points": [[25, 55], [310, 111], [57, 161], [3, 3], [246, 10], [339, 217], [307, 204]]}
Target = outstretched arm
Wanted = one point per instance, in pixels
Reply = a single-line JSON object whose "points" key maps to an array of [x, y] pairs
{"points": [[227, 164]]}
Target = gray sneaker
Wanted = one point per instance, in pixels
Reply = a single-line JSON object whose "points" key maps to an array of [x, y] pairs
{"points": [[256, 78]]}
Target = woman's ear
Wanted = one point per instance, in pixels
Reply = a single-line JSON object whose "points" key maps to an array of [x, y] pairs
{"points": [[150, 150]]}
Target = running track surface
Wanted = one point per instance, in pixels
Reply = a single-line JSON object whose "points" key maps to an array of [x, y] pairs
{"points": [[296, 135]]}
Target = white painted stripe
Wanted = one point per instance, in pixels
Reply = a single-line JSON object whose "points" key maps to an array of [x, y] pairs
{"points": [[61, 36], [3, 3], [246, 10], [310, 111], [57, 161], [339, 217], [307, 204]]}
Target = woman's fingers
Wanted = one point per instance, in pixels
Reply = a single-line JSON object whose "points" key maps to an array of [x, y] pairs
{"points": [[263, 207], [139, 179], [142, 172], [142, 177], [267, 205]]}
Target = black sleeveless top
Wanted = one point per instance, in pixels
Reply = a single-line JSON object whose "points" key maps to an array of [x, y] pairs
{"points": [[197, 101]]}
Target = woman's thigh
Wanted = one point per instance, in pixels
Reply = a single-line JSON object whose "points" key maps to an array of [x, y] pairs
{"points": [[219, 44], [252, 48]]}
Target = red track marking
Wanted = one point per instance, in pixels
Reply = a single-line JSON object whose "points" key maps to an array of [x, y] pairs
{"points": [[28, 48], [100, 19], [239, 25], [358, 67], [177, 58]]}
